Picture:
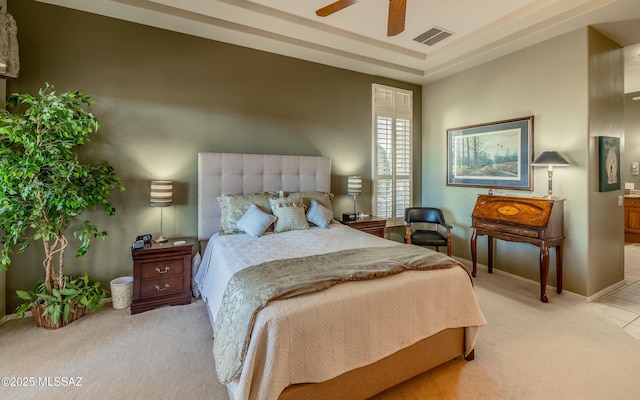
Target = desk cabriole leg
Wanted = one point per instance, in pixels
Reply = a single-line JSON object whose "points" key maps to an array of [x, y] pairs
{"points": [[474, 237], [544, 271], [559, 267], [490, 254]]}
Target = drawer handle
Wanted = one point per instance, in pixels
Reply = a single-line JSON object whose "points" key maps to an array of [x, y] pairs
{"points": [[166, 286], [166, 269]]}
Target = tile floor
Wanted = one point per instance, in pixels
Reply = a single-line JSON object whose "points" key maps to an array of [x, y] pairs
{"points": [[623, 305]]}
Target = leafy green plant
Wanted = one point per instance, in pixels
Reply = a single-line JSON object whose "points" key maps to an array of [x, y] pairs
{"points": [[78, 293], [45, 185]]}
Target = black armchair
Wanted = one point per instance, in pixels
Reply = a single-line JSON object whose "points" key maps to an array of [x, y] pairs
{"points": [[427, 237]]}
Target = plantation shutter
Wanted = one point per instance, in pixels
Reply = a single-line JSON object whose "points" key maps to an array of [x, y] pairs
{"points": [[392, 175]]}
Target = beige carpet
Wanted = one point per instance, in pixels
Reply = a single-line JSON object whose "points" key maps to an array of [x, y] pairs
{"points": [[529, 350], [160, 354]]}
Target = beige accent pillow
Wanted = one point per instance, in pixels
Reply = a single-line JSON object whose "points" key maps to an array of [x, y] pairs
{"points": [[290, 214]]}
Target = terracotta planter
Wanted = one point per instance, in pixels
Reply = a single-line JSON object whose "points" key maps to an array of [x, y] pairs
{"points": [[45, 321]]}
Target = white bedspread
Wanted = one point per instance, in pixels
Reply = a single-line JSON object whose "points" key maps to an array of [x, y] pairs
{"points": [[316, 337]]}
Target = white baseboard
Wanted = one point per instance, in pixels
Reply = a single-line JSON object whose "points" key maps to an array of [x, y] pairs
{"points": [[589, 299], [518, 277], [606, 291]]}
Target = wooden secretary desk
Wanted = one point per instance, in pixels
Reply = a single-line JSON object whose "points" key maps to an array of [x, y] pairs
{"points": [[539, 221]]}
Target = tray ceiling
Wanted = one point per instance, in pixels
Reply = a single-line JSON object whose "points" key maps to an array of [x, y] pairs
{"points": [[356, 37]]}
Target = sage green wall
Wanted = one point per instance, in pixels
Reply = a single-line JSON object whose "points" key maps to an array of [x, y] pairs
{"points": [[550, 81], [162, 97], [606, 118]]}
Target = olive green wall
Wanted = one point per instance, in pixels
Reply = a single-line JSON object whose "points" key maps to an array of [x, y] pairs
{"points": [[162, 97], [606, 118], [550, 81]]}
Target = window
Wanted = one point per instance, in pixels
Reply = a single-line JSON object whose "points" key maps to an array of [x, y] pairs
{"points": [[392, 147]]}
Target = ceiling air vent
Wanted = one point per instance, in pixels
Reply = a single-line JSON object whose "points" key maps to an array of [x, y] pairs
{"points": [[433, 36]]}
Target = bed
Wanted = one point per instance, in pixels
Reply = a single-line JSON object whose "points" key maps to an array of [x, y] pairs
{"points": [[351, 340]]}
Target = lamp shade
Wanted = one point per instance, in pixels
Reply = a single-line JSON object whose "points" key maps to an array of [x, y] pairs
{"points": [[354, 185], [161, 193], [550, 158]]}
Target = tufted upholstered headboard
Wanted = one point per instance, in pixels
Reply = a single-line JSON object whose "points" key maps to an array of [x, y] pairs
{"points": [[231, 173]]}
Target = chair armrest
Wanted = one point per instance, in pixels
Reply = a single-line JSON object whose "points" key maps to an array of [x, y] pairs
{"points": [[447, 229]]}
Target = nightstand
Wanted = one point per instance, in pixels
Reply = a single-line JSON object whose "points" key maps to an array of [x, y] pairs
{"points": [[370, 224], [162, 274]]}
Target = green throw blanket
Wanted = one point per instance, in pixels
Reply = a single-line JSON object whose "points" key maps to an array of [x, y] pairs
{"points": [[251, 289]]}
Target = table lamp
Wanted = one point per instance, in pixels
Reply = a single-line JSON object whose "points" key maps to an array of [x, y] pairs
{"points": [[550, 159], [354, 188], [161, 196]]}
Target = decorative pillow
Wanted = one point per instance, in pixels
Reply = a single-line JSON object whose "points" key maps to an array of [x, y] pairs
{"points": [[323, 198], [233, 207], [290, 214], [255, 221], [319, 215]]}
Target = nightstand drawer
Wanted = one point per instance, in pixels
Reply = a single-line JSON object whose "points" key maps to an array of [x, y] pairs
{"points": [[369, 224], [162, 287], [376, 231], [161, 268]]}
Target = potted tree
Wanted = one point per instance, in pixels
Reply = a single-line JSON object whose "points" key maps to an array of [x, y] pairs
{"points": [[45, 186]]}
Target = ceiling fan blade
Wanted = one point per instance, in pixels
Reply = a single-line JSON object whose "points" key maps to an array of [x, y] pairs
{"points": [[333, 7], [397, 14]]}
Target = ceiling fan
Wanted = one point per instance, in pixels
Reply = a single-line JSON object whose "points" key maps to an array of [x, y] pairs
{"points": [[397, 13]]}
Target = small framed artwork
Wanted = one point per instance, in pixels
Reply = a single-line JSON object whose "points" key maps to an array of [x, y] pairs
{"points": [[609, 163], [495, 155]]}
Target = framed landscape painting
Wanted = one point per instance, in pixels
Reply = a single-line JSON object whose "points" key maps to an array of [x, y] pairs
{"points": [[494, 155]]}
